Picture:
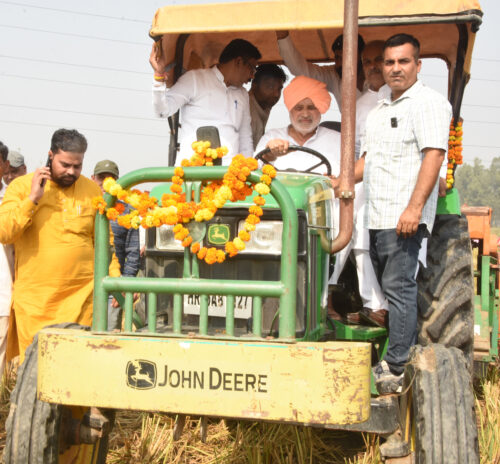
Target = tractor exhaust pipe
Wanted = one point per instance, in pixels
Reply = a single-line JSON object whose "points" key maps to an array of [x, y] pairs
{"points": [[348, 129]]}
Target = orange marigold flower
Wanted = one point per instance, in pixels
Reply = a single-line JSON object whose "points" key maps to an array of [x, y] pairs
{"points": [[175, 188], [258, 200], [257, 210], [231, 250], [120, 207], [112, 214], [178, 171], [195, 247], [252, 219], [202, 253], [269, 170], [211, 255], [220, 256], [187, 241], [99, 204]]}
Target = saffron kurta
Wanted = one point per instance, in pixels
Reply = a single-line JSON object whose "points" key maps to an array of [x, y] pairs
{"points": [[54, 256]]}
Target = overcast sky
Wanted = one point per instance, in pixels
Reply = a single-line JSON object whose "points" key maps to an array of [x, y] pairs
{"points": [[84, 65]]}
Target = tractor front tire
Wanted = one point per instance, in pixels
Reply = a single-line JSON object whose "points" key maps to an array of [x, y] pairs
{"points": [[34, 426], [441, 421], [446, 288]]}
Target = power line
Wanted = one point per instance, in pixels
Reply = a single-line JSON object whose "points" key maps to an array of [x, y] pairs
{"points": [[17, 76], [81, 13], [107, 115], [37, 60], [84, 129], [69, 34]]}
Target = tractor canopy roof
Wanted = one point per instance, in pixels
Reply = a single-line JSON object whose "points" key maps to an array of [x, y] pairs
{"points": [[445, 28]]}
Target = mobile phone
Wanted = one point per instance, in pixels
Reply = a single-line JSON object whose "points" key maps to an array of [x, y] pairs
{"points": [[48, 164]]}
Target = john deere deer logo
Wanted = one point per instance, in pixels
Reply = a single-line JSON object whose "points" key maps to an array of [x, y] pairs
{"points": [[218, 234], [141, 374]]}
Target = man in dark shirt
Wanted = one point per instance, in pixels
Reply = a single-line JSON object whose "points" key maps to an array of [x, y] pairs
{"points": [[126, 241]]}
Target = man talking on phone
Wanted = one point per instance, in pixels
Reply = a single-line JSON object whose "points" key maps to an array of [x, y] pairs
{"points": [[48, 216]]}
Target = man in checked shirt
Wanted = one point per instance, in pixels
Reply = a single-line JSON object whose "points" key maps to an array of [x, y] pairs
{"points": [[405, 142]]}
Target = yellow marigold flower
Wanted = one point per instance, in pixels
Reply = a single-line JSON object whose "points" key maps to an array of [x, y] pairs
{"points": [[178, 171], [239, 244], [249, 227], [135, 200], [135, 222], [266, 179], [178, 228], [220, 256], [108, 183], [244, 235], [149, 221], [262, 188], [115, 189]]}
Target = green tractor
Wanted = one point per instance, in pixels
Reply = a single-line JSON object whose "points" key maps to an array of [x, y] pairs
{"points": [[249, 338]]}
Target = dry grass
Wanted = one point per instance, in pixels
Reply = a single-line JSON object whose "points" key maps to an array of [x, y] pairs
{"points": [[147, 437], [144, 437], [488, 416]]}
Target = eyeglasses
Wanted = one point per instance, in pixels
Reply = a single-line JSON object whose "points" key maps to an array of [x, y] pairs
{"points": [[252, 67]]}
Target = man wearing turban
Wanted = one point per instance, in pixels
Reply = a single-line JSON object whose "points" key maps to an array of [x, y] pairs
{"points": [[307, 99]]}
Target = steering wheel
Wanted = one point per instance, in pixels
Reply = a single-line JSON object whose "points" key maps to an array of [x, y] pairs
{"points": [[323, 159]]}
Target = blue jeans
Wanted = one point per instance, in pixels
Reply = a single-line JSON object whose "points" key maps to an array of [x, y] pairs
{"points": [[395, 260]]}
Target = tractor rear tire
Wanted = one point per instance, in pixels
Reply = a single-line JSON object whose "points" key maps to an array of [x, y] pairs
{"points": [[446, 288], [33, 426], [443, 417]]}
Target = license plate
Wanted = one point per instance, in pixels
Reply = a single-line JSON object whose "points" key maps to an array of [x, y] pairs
{"points": [[217, 306]]}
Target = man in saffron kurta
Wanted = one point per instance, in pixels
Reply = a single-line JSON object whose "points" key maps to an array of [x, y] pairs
{"points": [[49, 218]]}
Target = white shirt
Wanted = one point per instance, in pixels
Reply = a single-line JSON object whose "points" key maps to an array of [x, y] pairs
{"points": [[397, 132], [6, 271], [326, 142], [299, 66], [364, 104], [204, 100]]}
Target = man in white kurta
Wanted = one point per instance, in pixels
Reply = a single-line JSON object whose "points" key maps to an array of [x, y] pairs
{"points": [[210, 97], [305, 131]]}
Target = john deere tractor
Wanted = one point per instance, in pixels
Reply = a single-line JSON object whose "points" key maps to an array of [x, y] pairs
{"points": [[249, 338]]}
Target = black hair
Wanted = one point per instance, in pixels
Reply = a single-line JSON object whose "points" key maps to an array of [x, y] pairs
{"points": [[239, 48], [68, 140], [401, 39], [269, 70], [4, 151], [338, 43]]}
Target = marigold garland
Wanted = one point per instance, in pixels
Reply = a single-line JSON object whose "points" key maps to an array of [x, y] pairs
{"points": [[454, 152], [175, 210]]}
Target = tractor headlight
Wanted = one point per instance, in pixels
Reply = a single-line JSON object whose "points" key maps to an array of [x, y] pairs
{"points": [[265, 239], [165, 239]]}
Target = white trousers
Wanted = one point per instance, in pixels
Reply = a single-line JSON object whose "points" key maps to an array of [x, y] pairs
{"points": [[369, 289]]}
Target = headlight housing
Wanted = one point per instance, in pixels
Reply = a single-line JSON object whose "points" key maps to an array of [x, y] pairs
{"points": [[265, 239], [165, 239]]}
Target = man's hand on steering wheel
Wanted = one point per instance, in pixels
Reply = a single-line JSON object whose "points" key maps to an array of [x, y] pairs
{"points": [[277, 147], [281, 148]]}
